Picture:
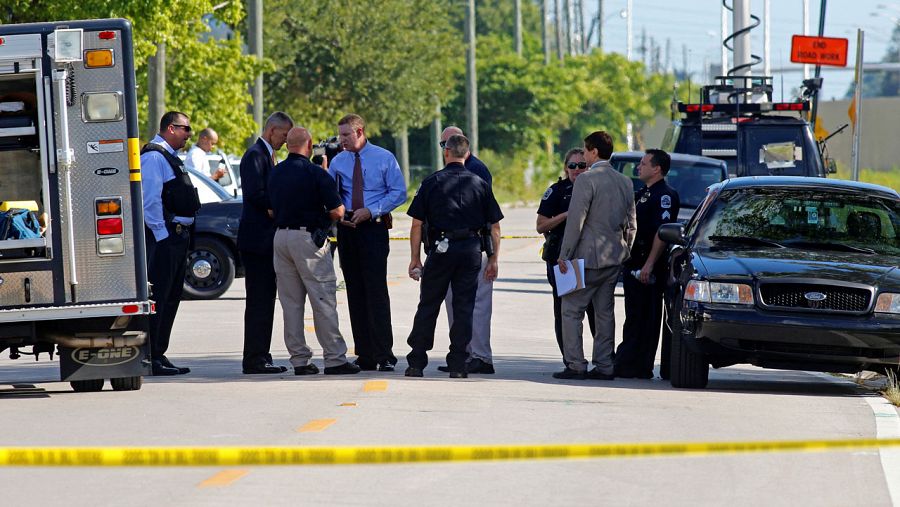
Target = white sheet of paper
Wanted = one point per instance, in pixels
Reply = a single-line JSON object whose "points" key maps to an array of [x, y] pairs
{"points": [[572, 280]]}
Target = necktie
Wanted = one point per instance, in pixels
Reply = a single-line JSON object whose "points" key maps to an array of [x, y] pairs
{"points": [[356, 200], [274, 160]]}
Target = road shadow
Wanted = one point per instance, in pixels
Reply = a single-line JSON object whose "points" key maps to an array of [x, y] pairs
{"points": [[226, 368]]}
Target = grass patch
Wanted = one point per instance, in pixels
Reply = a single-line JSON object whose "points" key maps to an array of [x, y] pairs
{"points": [[892, 390], [889, 178]]}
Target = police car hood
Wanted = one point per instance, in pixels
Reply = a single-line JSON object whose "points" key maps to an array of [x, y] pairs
{"points": [[774, 263]]}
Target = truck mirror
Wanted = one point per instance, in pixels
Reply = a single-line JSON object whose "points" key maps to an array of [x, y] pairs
{"points": [[830, 166]]}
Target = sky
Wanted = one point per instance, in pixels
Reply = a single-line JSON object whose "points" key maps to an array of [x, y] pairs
{"points": [[696, 24]]}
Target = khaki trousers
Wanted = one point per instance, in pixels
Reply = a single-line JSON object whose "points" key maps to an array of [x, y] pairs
{"points": [[600, 285], [303, 269]]}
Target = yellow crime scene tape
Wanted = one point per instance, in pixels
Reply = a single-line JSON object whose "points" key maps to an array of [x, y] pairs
{"points": [[250, 456]]}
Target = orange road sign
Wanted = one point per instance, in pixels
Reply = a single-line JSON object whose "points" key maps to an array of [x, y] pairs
{"points": [[819, 50]]}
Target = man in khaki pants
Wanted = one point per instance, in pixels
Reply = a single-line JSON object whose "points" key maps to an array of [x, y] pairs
{"points": [[600, 229], [305, 203]]}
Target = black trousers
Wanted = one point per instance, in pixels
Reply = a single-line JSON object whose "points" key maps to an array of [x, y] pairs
{"points": [[457, 268], [557, 309], [363, 257], [640, 334], [167, 260], [259, 313]]}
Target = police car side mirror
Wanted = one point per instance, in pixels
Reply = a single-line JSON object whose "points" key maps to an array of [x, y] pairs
{"points": [[672, 233], [830, 166]]}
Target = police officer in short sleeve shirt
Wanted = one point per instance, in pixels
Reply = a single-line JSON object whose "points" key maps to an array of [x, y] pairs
{"points": [[656, 204]]}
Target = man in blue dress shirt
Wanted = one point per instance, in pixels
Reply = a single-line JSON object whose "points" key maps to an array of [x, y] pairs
{"points": [[371, 186], [167, 232]]}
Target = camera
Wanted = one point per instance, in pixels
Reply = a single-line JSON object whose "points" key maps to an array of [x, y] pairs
{"points": [[329, 147]]}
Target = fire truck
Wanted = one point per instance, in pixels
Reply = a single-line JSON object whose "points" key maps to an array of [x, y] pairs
{"points": [[73, 271]]}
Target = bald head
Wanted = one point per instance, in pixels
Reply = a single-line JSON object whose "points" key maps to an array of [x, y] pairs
{"points": [[452, 130], [299, 141]]}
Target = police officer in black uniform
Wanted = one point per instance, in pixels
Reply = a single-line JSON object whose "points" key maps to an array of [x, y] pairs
{"points": [[456, 204], [646, 271], [551, 222]]}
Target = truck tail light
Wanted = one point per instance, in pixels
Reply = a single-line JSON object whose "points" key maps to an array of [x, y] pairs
{"points": [[128, 309], [109, 207], [109, 226], [95, 58], [108, 35]]}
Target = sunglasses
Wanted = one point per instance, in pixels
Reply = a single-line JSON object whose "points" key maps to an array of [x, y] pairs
{"points": [[187, 128], [579, 165], [442, 144]]}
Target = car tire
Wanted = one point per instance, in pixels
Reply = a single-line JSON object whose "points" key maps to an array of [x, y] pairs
{"points": [[687, 369], [87, 386], [211, 269], [127, 383]]}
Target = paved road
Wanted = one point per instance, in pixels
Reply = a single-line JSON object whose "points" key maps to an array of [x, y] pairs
{"points": [[218, 406]]}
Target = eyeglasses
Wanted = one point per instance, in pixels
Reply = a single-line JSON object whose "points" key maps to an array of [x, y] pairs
{"points": [[580, 165], [187, 128]]}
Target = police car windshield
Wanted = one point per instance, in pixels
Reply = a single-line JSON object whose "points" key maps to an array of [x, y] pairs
{"points": [[817, 219]]}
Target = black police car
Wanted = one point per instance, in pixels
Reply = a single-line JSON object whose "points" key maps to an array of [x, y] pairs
{"points": [[689, 175], [213, 263], [786, 272]]}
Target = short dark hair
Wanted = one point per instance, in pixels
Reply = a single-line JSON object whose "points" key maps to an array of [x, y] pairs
{"points": [[457, 145], [600, 141], [660, 158], [170, 118], [279, 119]]}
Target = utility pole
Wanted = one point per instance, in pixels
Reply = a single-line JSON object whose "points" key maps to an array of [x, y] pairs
{"points": [[518, 28], [629, 15], [600, 25], [557, 15], [545, 30], [805, 32], [857, 105], [815, 104], [767, 61], [255, 46], [156, 89], [740, 20], [667, 67], [724, 36], [471, 82], [684, 62]]}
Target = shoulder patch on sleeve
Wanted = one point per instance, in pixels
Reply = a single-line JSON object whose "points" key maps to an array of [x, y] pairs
{"points": [[665, 201], [547, 194]]}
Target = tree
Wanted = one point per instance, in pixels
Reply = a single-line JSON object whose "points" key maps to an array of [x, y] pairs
{"points": [[208, 78], [882, 84], [391, 61]]}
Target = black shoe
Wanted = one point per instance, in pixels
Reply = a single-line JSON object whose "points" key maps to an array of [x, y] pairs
{"points": [[165, 362], [309, 369], [444, 369], [386, 366], [596, 375], [569, 374], [159, 369], [365, 364], [413, 372], [265, 368], [459, 374], [343, 369], [478, 366]]}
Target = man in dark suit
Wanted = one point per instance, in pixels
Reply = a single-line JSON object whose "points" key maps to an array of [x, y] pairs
{"points": [[255, 237]]}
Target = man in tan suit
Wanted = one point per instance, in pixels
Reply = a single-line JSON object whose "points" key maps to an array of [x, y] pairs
{"points": [[600, 229]]}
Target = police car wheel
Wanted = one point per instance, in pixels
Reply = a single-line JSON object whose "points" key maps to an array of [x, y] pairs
{"points": [[210, 269], [688, 369], [87, 386], [126, 383]]}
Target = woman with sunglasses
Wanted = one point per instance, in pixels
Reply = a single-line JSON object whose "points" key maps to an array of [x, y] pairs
{"points": [[551, 222]]}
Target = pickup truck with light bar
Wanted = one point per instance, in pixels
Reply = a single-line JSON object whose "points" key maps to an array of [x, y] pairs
{"points": [[73, 272], [738, 122]]}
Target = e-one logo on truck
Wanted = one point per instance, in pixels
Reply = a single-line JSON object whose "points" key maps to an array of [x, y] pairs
{"points": [[104, 357]]}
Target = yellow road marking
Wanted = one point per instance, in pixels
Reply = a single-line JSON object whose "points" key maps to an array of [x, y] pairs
{"points": [[316, 425], [347, 404], [223, 478], [375, 385], [294, 455], [310, 329]]}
